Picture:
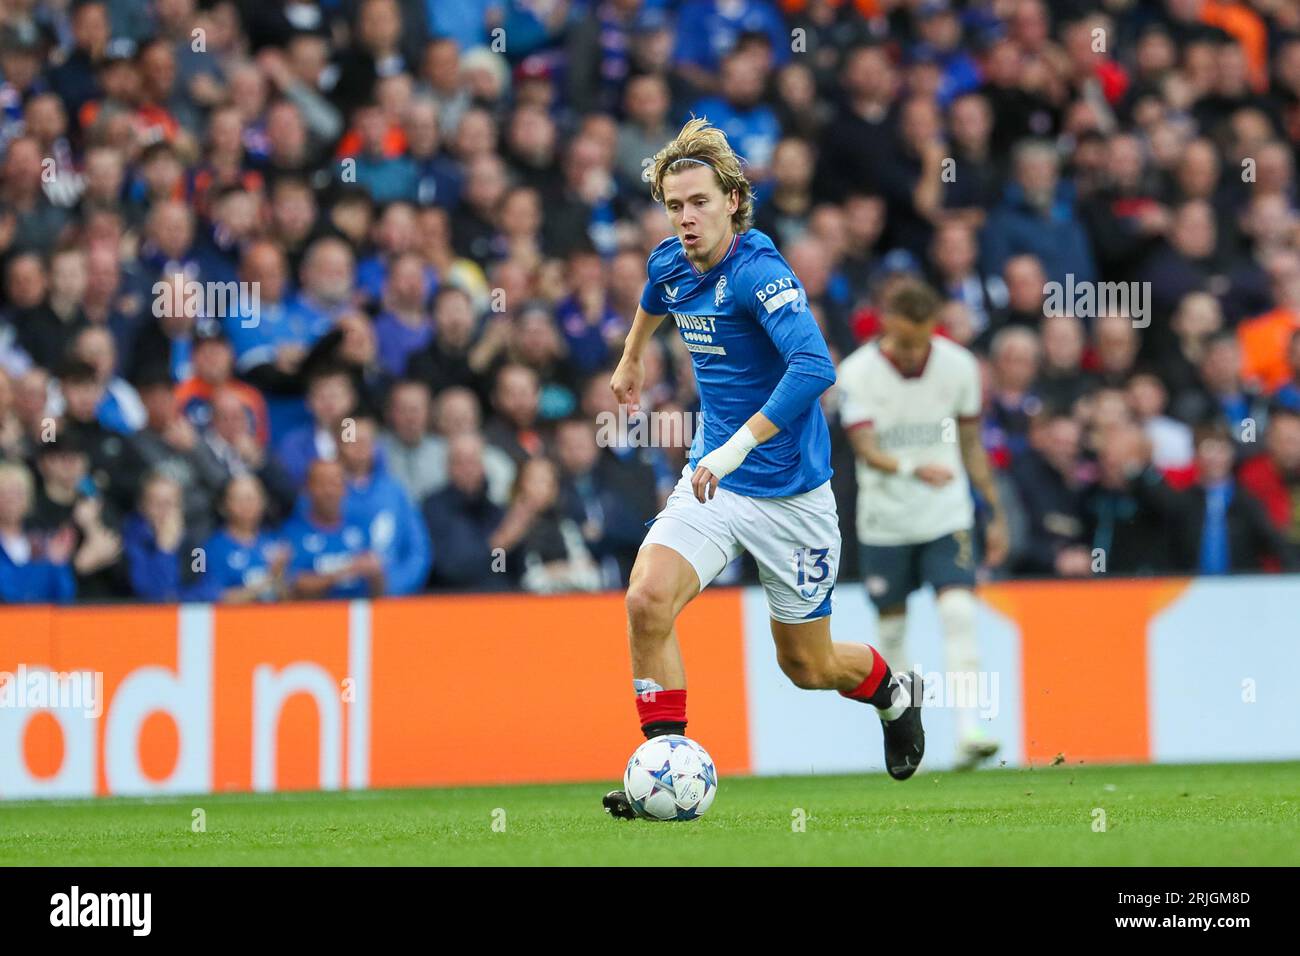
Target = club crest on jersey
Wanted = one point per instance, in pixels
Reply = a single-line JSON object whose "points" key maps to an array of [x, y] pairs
{"points": [[719, 292]]}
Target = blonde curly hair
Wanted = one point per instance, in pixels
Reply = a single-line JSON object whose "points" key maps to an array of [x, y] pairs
{"points": [[702, 143]]}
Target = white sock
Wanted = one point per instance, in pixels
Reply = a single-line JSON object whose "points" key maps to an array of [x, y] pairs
{"points": [[891, 640], [957, 614]]}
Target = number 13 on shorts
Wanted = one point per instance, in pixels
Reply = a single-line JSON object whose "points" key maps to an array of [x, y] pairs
{"points": [[810, 566]]}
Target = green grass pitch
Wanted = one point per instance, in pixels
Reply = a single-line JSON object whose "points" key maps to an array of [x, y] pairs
{"points": [[1229, 814]]}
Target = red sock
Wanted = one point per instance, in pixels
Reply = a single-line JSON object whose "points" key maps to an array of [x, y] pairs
{"points": [[662, 711], [876, 680]]}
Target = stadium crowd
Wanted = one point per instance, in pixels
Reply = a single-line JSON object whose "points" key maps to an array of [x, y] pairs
{"points": [[435, 217]]}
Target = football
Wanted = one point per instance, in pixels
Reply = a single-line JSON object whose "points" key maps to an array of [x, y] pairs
{"points": [[670, 778]]}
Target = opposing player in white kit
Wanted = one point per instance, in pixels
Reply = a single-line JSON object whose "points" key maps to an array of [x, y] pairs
{"points": [[759, 469], [911, 405]]}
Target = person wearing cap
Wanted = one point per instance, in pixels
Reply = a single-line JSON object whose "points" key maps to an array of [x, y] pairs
{"points": [[214, 369]]}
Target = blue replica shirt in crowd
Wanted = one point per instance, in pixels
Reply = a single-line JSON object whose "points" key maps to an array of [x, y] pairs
{"points": [[324, 550], [755, 347], [233, 564]]}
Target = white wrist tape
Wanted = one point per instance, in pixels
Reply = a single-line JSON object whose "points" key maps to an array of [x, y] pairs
{"points": [[906, 468], [725, 459]]}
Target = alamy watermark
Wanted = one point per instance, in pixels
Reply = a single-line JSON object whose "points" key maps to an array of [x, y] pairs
{"points": [[1092, 300], [179, 296], [962, 690], [40, 689], [670, 429]]}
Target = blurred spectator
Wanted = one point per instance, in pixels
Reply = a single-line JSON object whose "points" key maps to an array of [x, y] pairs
{"points": [[1011, 401], [376, 500], [1115, 349], [515, 401], [544, 549], [214, 365], [119, 408], [463, 522], [586, 319], [1124, 537], [413, 456], [784, 211], [169, 445], [232, 441], [954, 253], [158, 565], [604, 496], [1025, 285], [352, 347], [1217, 527], [1274, 477], [1038, 217], [645, 129], [243, 562], [751, 126], [332, 556], [708, 31], [1050, 486], [456, 414], [1062, 381], [115, 463], [1221, 395], [1196, 321], [33, 568], [66, 498], [1171, 440], [331, 397], [1266, 338], [452, 358], [403, 326]]}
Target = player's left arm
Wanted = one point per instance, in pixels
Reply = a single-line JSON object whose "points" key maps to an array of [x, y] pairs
{"points": [[783, 313], [976, 462]]}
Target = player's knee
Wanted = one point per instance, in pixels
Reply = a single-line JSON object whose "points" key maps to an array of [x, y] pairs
{"points": [[649, 610], [806, 673]]}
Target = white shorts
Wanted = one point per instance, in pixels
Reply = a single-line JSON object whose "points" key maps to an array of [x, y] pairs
{"points": [[795, 541]]}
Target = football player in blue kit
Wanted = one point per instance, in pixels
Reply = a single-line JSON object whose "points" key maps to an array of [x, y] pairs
{"points": [[758, 475]]}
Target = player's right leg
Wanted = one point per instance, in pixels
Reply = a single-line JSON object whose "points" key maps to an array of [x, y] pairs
{"points": [[679, 557], [890, 573], [663, 581]]}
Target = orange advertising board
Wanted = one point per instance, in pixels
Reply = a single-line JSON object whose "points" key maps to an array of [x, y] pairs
{"points": [[409, 692]]}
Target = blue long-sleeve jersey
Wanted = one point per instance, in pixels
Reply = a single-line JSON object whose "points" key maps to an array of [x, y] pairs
{"points": [[397, 531], [755, 347]]}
